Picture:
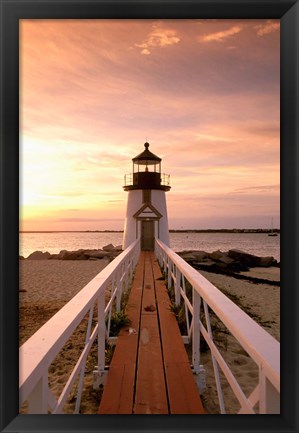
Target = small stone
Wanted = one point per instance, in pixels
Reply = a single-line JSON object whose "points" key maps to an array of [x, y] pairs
{"points": [[150, 308]]}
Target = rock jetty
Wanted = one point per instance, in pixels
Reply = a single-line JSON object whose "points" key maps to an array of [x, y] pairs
{"points": [[107, 252], [228, 262], [217, 261], [234, 263]]}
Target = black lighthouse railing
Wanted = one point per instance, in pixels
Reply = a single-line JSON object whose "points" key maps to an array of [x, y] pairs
{"points": [[147, 180]]}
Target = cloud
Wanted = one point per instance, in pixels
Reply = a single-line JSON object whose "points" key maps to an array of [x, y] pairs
{"points": [[221, 36], [218, 138], [88, 103], [88, 219], [263, 188], [158, 37], [145, 52], [269, 27]]}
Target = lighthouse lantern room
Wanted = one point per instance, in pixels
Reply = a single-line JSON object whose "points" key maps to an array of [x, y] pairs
{"points": [[146, 215]]}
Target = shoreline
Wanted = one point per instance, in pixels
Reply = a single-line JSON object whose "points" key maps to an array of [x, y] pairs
{"points": [[238, 231]]}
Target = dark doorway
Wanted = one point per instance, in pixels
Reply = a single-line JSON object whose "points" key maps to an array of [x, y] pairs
{"points": [[147, 236]]}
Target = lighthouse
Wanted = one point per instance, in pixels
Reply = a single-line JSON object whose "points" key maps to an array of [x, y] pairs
{"points": [[146, 216]]}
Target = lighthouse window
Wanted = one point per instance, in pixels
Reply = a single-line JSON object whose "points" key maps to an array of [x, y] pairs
{"points": [[146, 195]]}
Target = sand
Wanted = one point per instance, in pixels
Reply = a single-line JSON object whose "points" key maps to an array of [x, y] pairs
{"points": [[46, 285], [262, 303]]}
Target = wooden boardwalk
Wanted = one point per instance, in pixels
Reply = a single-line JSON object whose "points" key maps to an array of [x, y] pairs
{"points": [[150, 372]]}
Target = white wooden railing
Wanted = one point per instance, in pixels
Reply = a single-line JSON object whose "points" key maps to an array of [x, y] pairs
{"points": [[103, 293], [259, 345]]}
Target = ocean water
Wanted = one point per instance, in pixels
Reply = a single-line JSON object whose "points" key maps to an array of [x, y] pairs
{"points": [[259, 244]]}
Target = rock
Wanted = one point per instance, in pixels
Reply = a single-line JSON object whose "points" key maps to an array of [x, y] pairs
{"points": [[74, 255], [200, 255], [267, 261], [226, 259], [250, 260], [118, 248], [150, 308], [187, 256], [39, 255], [245, 259], [54, 257], [90, 252], [61, 254], [21, 258], [109, 247], [216, 255], [206, 264], [97, 254]]}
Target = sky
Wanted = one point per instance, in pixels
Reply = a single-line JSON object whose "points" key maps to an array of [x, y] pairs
{"points": [[203, 93]]}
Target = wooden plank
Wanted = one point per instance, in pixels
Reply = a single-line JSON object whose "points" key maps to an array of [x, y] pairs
{"points": [[118, 392], [183, 394], [148, 298], [182, 391], [118, 395], [173, 346], [150, 396], [153, 374]]}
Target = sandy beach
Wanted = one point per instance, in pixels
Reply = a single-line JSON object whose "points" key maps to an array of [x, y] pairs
{"points": [[46, 285], [262, 303]]}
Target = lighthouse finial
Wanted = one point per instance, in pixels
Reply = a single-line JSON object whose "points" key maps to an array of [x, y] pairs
{"points": [[146, 145]]}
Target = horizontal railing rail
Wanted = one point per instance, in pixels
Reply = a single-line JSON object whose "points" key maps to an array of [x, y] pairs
{"points": [[164, 179], [38, 352], [259, 344]]}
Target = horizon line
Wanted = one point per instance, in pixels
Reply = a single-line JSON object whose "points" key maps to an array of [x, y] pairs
{"points": [[266, 230]]}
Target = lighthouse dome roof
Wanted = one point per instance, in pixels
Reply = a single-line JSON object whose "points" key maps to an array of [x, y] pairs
{"points": [[146, 157]]}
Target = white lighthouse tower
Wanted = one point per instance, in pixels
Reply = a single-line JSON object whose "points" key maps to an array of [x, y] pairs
{"points": [[146, 215]]}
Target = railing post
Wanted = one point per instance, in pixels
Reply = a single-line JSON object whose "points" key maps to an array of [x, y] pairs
{"points": [[169, 270], [82, 372], [214, 362], [164, 258], [196, 300], [99, 374], [131, 267], [127, 263], [177, 289], [38, 400], [101, 332], [269, 396], [118, 290]]}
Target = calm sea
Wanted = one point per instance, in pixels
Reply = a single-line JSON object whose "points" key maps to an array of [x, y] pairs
{"points": [[259, 244]]}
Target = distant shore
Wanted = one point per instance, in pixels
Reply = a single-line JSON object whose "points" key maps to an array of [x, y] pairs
{"points": [[170, 231]]}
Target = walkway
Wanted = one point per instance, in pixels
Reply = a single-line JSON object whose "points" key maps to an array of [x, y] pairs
{"points": [[150, 372]]}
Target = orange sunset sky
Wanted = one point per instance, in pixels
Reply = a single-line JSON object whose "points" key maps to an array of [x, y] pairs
{"points": [[204, 93]]}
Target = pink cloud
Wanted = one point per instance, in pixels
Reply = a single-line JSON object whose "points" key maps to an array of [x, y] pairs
{"points": [[269, 27], [88, 103], [222, 35], [158, 37]]}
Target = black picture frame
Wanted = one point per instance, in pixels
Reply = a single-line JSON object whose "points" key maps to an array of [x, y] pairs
{"points": [[11, 12]]}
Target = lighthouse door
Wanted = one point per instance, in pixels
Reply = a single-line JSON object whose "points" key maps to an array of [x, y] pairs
{"points": [[147, 235]]}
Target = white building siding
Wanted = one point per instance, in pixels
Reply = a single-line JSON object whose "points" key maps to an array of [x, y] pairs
{"points": [[132, 227]]}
